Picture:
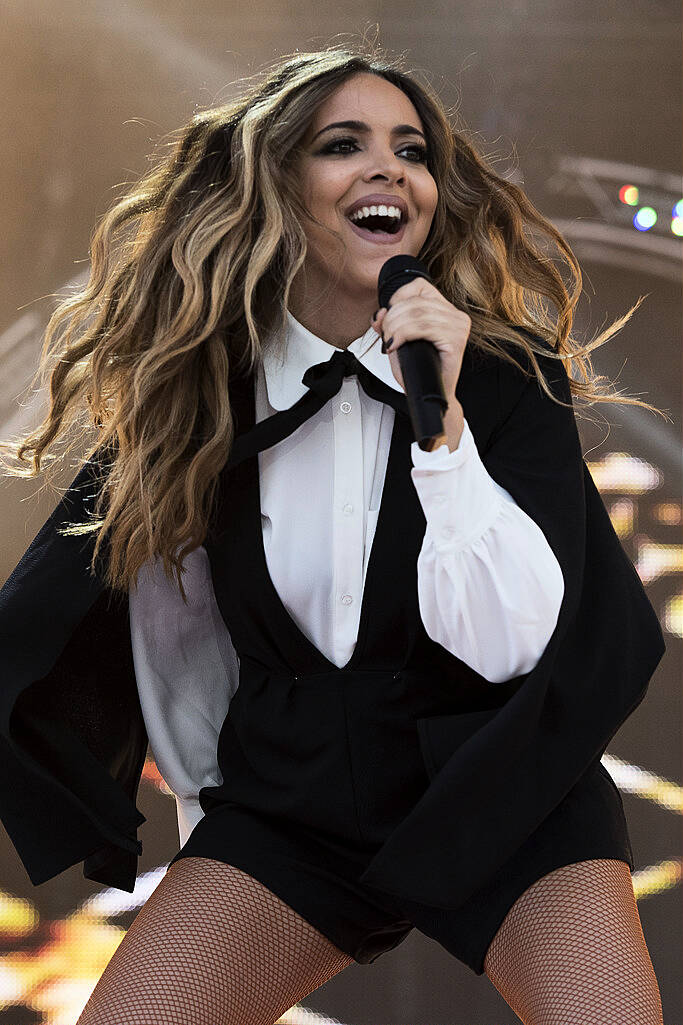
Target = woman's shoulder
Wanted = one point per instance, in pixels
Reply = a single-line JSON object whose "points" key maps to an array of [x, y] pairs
{"points": [[501, 383], [514, 372]]}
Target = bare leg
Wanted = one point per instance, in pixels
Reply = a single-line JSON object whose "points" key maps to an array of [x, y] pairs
{"points": [[571, 951], [211, 946]]}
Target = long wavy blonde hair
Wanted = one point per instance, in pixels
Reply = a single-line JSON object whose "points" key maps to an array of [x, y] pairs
{"points": [[191, 270]]}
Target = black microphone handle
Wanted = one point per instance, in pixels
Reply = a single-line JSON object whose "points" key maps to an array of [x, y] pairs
{"points": [[423, 385], [419, 358]]}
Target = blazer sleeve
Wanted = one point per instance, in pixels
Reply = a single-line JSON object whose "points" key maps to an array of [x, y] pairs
{"points": [[503, 770], [72, 736]]}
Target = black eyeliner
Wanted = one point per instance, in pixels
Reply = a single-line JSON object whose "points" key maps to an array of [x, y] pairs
{"points": [[409, 145]]}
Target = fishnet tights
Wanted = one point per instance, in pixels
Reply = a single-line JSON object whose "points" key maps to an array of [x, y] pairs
{"points": [[571, 951], [211, 946]]}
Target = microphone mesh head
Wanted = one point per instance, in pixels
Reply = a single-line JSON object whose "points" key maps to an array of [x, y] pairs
{"points": [[397, 271]]}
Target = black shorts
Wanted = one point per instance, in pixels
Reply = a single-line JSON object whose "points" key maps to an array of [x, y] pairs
{"points": [[316, 873]]}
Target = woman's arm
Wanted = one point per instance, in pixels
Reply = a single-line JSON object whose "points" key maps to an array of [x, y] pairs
{"points": [[489, 585], [187, 671]]}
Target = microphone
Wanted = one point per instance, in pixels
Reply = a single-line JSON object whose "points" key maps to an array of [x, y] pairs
{"points": [[419, 358]]}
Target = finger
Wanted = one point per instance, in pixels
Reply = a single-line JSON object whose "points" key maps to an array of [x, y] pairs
{"points": [[408, 326], [420, 302], [415, 312]]}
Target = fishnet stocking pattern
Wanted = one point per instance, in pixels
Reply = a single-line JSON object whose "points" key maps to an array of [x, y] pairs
{"points": [[571, 951], [211, 946]]}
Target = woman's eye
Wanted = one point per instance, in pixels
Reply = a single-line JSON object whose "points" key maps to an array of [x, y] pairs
{"points": [[420, 151]]}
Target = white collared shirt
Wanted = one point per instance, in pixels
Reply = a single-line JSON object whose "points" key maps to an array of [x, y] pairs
{"points": [[489, 585]]}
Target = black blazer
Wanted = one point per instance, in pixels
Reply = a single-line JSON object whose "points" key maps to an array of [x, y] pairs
{"points": [[73, 739]]}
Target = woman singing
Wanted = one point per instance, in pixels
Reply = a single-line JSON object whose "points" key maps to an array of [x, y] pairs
{"points": [[378, 678]]}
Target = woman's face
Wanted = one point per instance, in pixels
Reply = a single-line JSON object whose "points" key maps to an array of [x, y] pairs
{"points": [[389, 157]]}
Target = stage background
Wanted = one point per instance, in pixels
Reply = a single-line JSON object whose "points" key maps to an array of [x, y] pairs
{"points": [[577, 102]]}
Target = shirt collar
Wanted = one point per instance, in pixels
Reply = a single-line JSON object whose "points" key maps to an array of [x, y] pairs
{"points": [[303, 349]]}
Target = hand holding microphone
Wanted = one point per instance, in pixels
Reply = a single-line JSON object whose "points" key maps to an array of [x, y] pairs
{"points": [[429, 338]]}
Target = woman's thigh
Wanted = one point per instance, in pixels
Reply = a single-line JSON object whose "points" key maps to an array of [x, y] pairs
{"points": [[571, 950], [211, 946]]}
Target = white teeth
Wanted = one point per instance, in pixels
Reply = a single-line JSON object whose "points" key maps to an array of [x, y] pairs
{"points": [[373, 211]]}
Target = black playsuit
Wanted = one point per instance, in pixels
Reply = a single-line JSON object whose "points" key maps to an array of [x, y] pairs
{"points": [[402, 790]]}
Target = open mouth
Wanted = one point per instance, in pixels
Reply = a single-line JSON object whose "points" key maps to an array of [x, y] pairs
{"points": [[378, 228]]}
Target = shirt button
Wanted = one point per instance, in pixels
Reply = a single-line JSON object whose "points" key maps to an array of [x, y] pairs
{"points": [[447, 531], [345, 407], [439, 499], [347, 599], [348, 508]]}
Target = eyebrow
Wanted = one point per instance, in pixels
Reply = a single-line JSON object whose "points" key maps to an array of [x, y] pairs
{"points": [[360, 126]]}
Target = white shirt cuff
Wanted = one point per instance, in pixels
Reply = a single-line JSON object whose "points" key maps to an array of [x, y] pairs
{"points": [[189, 812], [457, 493]]}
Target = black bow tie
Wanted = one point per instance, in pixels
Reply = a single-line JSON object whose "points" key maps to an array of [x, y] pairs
{"points": [[323, 380]]}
